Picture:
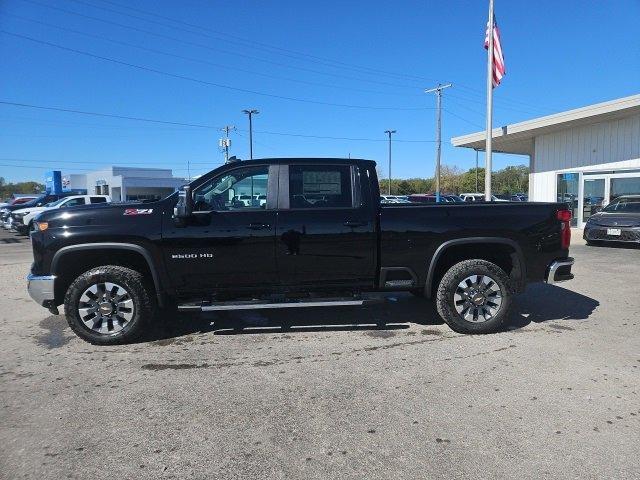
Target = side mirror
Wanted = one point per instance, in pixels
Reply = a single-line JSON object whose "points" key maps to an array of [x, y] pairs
{"points": [[184, 207]]}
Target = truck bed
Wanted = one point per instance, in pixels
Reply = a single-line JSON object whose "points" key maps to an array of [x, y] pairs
{"points": [[412, 235]]}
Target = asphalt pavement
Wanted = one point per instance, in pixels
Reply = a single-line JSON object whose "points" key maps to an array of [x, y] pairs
{"points": [[382, 392]]}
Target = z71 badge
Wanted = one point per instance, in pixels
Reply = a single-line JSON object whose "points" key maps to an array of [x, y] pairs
{"points": [[138, 211]]}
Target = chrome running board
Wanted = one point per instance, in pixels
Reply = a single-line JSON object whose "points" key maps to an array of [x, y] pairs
{"points": [[261, 304]]}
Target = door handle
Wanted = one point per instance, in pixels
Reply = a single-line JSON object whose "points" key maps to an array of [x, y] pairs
{"points": [[353, 223], [258, 226]]}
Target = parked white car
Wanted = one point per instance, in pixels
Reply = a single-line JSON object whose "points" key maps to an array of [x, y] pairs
{"points": [[22, 218], [479, 197]]}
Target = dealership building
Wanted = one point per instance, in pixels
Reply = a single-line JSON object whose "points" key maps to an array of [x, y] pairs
{"points": [[585, 157], [126, 183]]}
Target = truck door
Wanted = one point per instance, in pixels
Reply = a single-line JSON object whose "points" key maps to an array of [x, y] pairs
{"points": [[228, 243], [326, 232]]}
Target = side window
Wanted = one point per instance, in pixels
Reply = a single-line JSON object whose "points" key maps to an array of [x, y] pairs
{"points": [[98, 200], [240, 189], [74, 202], [316, 186]]}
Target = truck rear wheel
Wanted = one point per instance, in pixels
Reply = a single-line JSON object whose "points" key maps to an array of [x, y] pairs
{"points": [[474, 296], [108, 305]]}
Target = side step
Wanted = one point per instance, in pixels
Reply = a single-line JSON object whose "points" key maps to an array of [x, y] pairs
{"points": [[261, 304]]}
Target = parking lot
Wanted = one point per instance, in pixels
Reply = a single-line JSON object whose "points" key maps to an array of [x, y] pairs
{"points": [[331, 393]]}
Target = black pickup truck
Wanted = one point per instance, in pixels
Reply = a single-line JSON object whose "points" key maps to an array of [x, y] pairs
{"points": [[282, 233]]}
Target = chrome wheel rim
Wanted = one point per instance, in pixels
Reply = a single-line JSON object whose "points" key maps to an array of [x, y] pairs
{"points": [[106, 308], [477, 298]]}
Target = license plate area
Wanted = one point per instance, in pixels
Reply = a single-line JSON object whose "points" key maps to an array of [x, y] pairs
{"points": [[615, 232]]}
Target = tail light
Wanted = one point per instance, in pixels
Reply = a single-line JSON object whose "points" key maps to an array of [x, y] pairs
{"points": [[565, 227]]}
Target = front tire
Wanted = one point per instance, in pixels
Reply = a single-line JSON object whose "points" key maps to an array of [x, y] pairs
{"points": [[474, 296], [109, 305]]}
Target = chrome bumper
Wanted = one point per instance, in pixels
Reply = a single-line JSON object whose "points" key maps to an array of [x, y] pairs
{"points": [[552, 274], [41, 289]]}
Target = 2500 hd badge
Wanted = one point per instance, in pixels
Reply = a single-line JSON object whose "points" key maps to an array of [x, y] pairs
{"points": [[181, 256]]}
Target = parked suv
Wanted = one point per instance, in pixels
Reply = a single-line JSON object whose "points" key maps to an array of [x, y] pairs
{"points": [[40, 201], [22, 219]]}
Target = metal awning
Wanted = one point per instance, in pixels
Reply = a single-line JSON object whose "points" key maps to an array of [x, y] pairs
{"points": [[518, 138]]}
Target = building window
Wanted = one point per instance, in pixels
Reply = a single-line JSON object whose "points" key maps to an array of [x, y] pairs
{"points": [[593, 196], [624, 186], [567, 188]]}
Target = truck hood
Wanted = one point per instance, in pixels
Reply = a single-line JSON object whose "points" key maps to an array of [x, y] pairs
{"points": [[102, 214], [32, 210]]}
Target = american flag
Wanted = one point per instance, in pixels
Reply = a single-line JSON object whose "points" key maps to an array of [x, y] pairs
{"points": [[498, 59]]}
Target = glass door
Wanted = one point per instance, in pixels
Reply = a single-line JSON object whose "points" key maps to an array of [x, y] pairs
{"points": [[592, 197], [568, 192]]}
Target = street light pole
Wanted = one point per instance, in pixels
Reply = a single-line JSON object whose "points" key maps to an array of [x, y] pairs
{"points": [[250, 113], [438, 91], [389, 132]]}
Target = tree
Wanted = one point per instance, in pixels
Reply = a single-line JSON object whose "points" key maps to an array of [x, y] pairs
{"points": [[8, 189], [468, 181], [450, 179]]}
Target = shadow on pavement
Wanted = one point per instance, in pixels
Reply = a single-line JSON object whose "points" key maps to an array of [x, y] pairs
{"points": [[540, 303]]}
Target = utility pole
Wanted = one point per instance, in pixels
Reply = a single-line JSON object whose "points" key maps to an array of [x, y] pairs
{"points": [[225, 142], [250, 112], [389, 132], [438, 91]]}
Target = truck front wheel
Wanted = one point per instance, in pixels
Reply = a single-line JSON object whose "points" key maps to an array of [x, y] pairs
{"points": [[474, 296], [108, 305]]}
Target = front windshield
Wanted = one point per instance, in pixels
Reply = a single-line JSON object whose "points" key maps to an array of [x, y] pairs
{"points": [[624, 205]]}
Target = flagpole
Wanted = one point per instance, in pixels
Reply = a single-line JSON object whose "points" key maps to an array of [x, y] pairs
{"points": [[487, 165]]}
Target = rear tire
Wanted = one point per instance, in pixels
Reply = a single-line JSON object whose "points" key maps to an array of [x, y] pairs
{"points": [[474, 296], [109, 305]]}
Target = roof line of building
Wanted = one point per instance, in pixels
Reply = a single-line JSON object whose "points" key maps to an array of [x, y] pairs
{"points": [[527, 127]]}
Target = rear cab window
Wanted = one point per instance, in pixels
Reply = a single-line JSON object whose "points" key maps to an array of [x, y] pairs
{"points": [[320, 186]]}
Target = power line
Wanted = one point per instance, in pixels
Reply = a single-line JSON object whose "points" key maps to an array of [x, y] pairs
{"points": [[195, 125], [250, 43], [462, 118], [204, 82], [341, 138], [108, 115], [100, 162], [505, 99], [207, 47], [502, 106], [199, 60]]}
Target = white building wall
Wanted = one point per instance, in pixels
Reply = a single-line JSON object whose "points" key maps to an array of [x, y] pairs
{"points": [[607, 145], [591, 145]]}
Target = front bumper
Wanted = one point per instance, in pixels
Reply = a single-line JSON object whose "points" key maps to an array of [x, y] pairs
{"points": [[19, 227], [560, 271], [599, 233], [41, 289]]}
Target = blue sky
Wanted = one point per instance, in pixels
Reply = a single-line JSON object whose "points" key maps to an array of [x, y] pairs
{"points": [[559, 55]]}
